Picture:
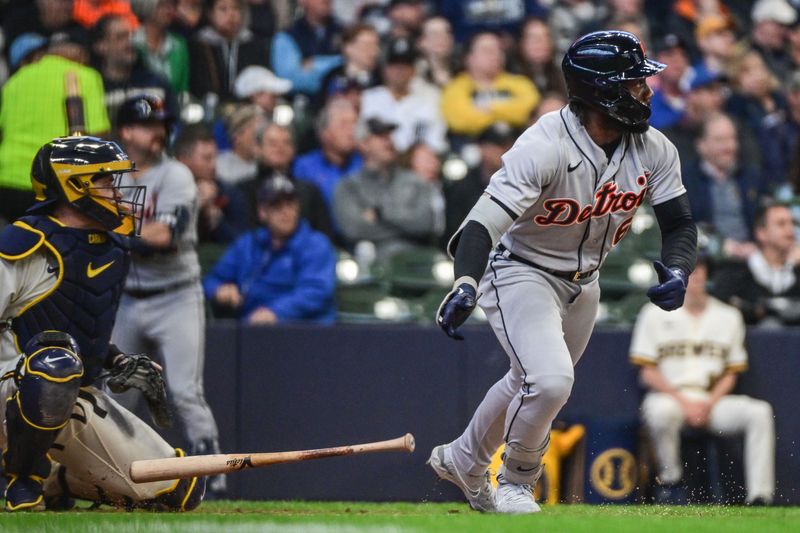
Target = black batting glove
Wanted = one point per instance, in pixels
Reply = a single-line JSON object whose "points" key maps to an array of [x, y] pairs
{"points": [[671, 288], [455, 309]]}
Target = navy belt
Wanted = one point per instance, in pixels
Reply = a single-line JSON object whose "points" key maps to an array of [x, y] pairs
{"points": [[574, 276], [149, 293]]}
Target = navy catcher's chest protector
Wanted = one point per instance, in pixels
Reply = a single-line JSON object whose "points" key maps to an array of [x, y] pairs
{"points": [[91, 268]]}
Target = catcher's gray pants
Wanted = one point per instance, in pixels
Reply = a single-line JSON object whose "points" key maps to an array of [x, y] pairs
{"points": [[543, 323], [731, 415], [170, 326]]}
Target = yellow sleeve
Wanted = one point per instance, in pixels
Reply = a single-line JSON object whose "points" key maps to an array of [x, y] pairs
{"points": [[460, 114], [523, 101]]}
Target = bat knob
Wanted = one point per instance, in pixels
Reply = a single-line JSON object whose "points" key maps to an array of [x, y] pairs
{"points": [[410, 442]]}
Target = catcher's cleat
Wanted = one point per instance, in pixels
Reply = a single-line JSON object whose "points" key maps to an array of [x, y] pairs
{"points": [[515, 499], [477, 489], [24, 494]]}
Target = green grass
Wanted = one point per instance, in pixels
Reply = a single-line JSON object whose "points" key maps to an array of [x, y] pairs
{"points": [[348, 517]]}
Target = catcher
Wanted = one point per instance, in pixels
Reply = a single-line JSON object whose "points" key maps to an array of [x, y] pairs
{"points": [[62, 269]]}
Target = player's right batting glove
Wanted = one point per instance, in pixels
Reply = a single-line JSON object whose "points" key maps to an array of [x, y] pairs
{"points": [[140, 372], [671, 288], [455, 309]]}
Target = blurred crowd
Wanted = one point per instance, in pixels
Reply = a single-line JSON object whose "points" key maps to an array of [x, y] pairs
{"points": [[317, 129]]}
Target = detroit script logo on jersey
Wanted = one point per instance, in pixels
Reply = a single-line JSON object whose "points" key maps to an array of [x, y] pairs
{"points": [[608, 200]]}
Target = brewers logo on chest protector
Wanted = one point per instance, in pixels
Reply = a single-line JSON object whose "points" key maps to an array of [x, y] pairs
{"points": [[574, 203]]}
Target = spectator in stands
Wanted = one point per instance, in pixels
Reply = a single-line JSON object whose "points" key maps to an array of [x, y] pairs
{"points": [[223, 49], [163, 52], [620, 13], [281, 272], [88, 12], [221, 207], [32, 113], [535, 57], [472, 17], [308, 50], [705, 95], [759, 105], [424, 162], [568, 17], [124, 74], [669, 97], [723, 188], [239, 163], [438, 62], [188, 17], [716, 40], [485, 93], [261, 87], [686, 16], [337, 157], [405, 100], [43, 17], [767, 287], [406, 18], [383, 203], [275, 151], [690, 360], [771, 22], [360, 51], [461, 195]]}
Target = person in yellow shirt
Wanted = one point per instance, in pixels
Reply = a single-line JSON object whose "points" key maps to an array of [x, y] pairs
{"points": [[33, 112], [485, 93]]}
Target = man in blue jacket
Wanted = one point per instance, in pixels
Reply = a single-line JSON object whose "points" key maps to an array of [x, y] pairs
{"points": [[283, 271]]}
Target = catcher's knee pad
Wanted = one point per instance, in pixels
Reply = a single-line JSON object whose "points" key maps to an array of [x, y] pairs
{"points": [[48, 380], [186, 495]]}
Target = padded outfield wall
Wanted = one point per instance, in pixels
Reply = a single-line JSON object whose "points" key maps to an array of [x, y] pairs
{"points": [[298, 387]]}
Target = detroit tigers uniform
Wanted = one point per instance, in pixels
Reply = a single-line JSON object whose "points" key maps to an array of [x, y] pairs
{"points": [[692, 352], [93, 452], [162, 310], [571, 204]]}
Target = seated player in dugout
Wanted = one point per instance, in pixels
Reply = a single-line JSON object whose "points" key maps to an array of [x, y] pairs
{"points": [[62, 269], [690, 360]]}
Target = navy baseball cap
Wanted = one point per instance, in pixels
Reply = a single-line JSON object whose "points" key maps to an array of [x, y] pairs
{"points": [[275, 190], [703, 78], [401, 51]]}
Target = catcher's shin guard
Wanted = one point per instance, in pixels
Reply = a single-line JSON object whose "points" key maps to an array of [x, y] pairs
{"points": [[184, 495], [48, 380]]}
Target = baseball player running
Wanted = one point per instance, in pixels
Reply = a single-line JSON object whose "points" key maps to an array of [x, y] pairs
{"points": [[566, 194], [62, 270], [162, 307]]}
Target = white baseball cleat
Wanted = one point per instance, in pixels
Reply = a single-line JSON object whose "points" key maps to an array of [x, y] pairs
{"points": [[478, 489], [515, 499]]}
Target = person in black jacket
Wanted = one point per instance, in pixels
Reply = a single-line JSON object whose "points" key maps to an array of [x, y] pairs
{"points": [[766, 288]]}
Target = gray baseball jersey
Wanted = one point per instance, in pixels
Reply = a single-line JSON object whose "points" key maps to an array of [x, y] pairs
{"points": [[571, 204], [171, 194], [575, 203]]}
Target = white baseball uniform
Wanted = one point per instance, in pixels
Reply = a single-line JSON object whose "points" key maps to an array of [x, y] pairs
{"points": [[693, 352], [95, 449], [571, 204]]}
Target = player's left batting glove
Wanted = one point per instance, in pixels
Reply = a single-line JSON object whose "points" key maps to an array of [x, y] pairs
{"points": [[671, 288], [140, 372], [455, 309]]}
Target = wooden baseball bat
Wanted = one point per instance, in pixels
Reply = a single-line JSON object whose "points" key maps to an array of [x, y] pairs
{"points": [[208, 465], [74, 103]]}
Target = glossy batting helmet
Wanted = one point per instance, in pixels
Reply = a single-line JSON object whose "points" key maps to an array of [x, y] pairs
{"points": [[142, 109], [597, 65], [65, 169]]}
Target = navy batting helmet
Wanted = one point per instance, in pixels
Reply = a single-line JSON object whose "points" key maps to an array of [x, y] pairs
{"points": [[142, 109], [597, 64]]}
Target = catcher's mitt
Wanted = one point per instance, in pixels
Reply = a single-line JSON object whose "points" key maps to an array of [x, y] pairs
{"points": [[140, 372]]}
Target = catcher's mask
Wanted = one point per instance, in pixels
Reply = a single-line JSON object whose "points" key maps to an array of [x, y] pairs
{"points": [[596, 67], [66, 169]]}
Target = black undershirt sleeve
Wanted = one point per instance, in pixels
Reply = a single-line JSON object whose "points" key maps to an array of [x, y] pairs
{"points": [[678, 233], [473, 249]]}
